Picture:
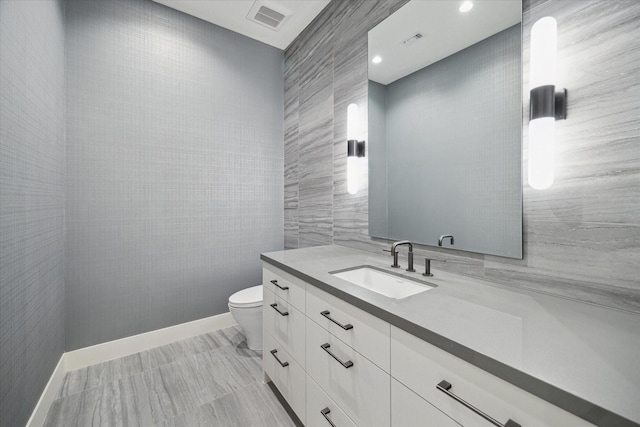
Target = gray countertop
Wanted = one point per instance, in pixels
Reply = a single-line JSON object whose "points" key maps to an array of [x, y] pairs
{"points": [[581, 357]]}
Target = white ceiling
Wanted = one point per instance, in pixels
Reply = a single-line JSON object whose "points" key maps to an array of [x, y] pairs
{"points": [[231, 14], [444, 28]]}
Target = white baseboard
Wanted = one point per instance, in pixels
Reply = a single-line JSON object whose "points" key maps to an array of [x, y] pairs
{"points": [[39, 414], [99, 353]]}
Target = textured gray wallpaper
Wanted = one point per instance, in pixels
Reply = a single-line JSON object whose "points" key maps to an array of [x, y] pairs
{"points": [[31, 202], [174, 163], [581, 237]]}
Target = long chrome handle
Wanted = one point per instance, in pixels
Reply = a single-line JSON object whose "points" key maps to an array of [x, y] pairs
{"points": [[284, 288], [345, 327], [283, 364], [346, 364], [325, 412], [444, 387], [282, 313]]}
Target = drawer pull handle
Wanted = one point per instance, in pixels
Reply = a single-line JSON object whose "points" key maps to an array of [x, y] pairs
{"points": [[345, 327], [346, 364], [284, 288], [282, 313], [283, 364], [325, 412], [444, 387]]}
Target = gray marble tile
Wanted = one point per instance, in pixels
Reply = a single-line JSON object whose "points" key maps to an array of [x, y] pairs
{"points": [[530, 4], [80, 380], [113, 370], [608, 253], [214, 365], [572, 286], [566, 229], [316, 142], [254, 405], [291, 227], [597, 174], [99, 406], [291, 196], [394, 5]]}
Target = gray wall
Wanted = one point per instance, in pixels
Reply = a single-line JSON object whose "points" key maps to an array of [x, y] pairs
{"points": [[377, 159], [174, 163], [581, 237], [31, 202]]}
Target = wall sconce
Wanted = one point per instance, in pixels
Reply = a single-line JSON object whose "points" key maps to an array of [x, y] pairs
{"points": [[546, 105], [355, 148]]}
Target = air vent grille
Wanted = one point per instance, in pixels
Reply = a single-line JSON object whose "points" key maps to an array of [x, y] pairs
{"points": [[265, 13], [411, 40]]}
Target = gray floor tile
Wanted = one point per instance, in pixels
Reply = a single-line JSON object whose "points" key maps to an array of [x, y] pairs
{"points": [[252, 406], [212, 379]]}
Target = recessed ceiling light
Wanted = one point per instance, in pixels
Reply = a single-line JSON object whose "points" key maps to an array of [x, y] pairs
{"points": [[466, 6], [376, 60]]}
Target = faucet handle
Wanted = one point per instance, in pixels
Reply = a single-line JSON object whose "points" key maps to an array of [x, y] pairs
{"points": [[394, 254], [427, 268]]}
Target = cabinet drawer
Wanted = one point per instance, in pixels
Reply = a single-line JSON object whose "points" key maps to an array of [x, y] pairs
{"points": [[361, 390], [286, 324], [284, 285], [317, 405], [410, 410], [421, 366], [369, 335], [289, 379]]}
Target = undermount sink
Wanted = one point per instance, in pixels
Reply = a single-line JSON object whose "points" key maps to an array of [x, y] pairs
{"points": [[383, 282]]}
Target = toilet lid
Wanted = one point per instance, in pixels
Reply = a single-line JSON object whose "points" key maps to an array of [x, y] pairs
{"points": [[246, 298]]}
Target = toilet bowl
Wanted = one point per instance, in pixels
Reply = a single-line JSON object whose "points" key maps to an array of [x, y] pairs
{"points": [[246, 308]]}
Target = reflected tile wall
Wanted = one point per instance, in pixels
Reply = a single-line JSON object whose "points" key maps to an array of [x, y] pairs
{"points": [[581, 237]]}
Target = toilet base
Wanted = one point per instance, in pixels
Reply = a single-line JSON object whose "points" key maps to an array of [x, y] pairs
{"points": [[254, 339], [250, 321]]}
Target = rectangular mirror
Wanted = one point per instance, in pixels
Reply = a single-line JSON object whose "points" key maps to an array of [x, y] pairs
{"points": [[445, 126]]}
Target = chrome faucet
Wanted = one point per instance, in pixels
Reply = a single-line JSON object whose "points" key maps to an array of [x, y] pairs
{"points": [[394, 252], [445, 236]]}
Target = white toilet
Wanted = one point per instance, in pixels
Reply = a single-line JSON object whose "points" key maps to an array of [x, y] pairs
{"points": [[246, 307]]}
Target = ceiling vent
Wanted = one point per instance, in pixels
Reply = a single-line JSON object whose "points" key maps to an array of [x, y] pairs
{"points": [[268, 14], [411, 40]]}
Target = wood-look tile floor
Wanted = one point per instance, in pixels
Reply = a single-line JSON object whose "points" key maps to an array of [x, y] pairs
{"points": [[208, 380]]}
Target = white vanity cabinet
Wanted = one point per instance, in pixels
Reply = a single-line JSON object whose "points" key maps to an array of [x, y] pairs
{"points": [[339, 366], [288, 288], [410, 410], [287, 374], [365, 333], [421, 366], [283, 323], [322, 410], [356, 384]]}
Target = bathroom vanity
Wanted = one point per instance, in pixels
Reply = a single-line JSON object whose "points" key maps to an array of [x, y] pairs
{"points": [[464, 352]]}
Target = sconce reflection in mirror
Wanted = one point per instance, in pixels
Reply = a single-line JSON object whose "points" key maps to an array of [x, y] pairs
{"points": [[546, 105], [355, 149]]}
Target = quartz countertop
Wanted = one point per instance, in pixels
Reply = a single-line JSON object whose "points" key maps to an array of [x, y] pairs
{"points": [[581, 357]]}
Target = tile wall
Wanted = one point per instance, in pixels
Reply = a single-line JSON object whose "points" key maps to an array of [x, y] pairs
{"points": [[581, 237]]}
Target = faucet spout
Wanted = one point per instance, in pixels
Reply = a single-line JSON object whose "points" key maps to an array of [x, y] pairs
{"points": [[401, 242], [394, 252], [445, 236]]}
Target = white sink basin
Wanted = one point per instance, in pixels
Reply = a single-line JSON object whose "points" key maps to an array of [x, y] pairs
{"points": [[382, 282]]}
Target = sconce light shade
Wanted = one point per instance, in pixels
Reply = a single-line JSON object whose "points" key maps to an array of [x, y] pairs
{"points": [[545, 104], [355, 149]]}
